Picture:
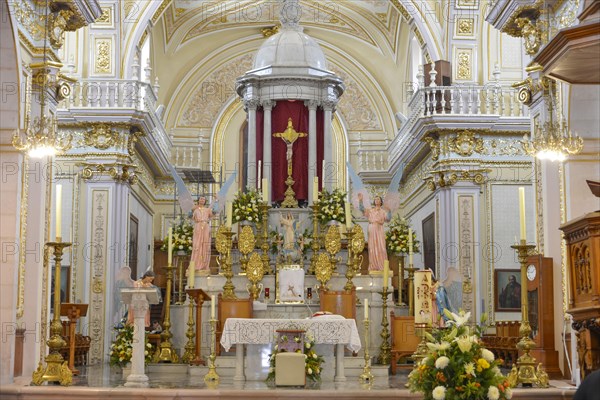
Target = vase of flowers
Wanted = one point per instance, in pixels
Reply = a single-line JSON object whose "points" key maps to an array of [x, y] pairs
{"points": [[183, 235], [245, 206], [121, 348], [331, 206], [396, 237], [457, 365], [312, 366]]}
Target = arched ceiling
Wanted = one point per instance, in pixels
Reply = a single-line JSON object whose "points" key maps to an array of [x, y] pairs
{"points": [[200, 47]]}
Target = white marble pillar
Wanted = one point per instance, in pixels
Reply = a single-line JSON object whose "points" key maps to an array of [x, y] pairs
{"points": [[312, 145], [251, 106], [137, 377], [267, 159], [330, 171]]}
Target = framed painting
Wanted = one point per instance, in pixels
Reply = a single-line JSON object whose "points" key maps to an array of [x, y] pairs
{"points": [[289, 284], [507, 289]]}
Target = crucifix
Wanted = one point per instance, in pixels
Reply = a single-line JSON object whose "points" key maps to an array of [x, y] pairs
{"points": [[289, 136]]}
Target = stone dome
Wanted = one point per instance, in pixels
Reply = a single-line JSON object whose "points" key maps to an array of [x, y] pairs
{"points": [[290, 48]]}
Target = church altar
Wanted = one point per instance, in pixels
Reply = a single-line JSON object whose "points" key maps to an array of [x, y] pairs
{"points": [[325, 330]]}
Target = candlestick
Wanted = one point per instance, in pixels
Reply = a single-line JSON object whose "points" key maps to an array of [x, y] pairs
{"points": [[410, 247], [315, 192], [170, 247], [191, 274], [522, 213], [212, 306], [348, 215], [366, 308], [386, 273], [265, 190], [229, 214], [58, 213]]}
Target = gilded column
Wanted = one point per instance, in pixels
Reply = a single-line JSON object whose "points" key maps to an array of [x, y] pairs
{"points": [[312, 145], [267, 161]]}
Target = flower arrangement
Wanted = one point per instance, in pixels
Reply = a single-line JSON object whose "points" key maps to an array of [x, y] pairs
{"points": [[183, 235], [396, 237], [245, 206], [121, 348], [331, 206], [312, 366], [458, 366]]}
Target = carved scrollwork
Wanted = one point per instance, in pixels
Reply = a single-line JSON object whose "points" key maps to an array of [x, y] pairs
{"points": [[323, 269], [333, 240], [221, 241], [101, 136], [247, 240], [465, 144], [358, 239], [434, 145]]}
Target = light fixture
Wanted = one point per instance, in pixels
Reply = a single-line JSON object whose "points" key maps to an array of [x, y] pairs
{"points": [[41, 137], [553, 141]]}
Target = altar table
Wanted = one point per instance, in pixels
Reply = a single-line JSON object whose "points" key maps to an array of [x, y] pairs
{"points": [[325, 330]]}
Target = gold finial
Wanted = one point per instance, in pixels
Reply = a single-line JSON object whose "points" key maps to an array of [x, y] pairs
{"points": [[268, 32]]}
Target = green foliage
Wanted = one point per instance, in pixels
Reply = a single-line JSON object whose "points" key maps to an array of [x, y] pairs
{"points": [[458, 366], [183, 235], [396, 237], [245, 206], [331, 206], [312, 366]]}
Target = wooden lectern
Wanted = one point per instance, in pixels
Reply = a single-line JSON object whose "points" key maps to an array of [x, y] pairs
{"points": [[199, 297], [73, 311]]}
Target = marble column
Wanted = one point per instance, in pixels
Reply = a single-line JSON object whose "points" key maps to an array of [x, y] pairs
{"points": [[251, 106], [312, 145], [330, 170], [267, 159], [137, 377]]}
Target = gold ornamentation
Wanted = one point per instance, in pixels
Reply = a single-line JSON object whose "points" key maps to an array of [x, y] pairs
{"points": [[103, 56], [434, 146], [97, 285], [246, 243], [221, 240], [532, 36], [120, 172], [323, 270], [22, 238], [105, 18], [358, 239], [333, 239], [58, 25], [463, 60], [255, 273], [268, 32], [289, 136], [448, 177], [101, 136], [465, 144], [465, 26]]}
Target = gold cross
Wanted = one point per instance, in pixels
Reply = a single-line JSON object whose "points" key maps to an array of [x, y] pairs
{"points": [[289, 136]]}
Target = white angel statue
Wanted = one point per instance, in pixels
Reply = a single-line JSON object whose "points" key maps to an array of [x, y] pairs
{"points": [[378, 212]]}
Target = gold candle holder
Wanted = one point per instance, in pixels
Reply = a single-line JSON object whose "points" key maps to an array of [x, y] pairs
{"points": [[356, 245], [315, 245], [411, 289], [422, 349], [367, 376], [56, 369], [385, 350], [525, 372], [165, 353], [350, 272], [264, 245], [179, 261], [190, 346], [212, 376], [226, 263]]}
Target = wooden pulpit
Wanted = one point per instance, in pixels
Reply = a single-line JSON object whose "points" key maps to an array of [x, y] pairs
{"points": [[199, 297], [73, 311]]}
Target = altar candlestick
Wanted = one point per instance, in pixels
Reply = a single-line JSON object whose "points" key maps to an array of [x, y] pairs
{"points": [[58, 213], [212, 306], [259, 176], [348, 215], [229, 214], [170, 248], [386, 273], [191, 274], [410, 247], [315, 189], [522, 213], [323, 171], [265, 190], [366, 308]]}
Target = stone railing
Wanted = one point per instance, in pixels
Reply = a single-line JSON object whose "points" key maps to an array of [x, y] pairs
{"points": [[372, 160], [186, 156]]}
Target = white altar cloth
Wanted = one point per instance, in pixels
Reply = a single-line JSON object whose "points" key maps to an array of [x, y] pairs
{"points": [[338, 332]]}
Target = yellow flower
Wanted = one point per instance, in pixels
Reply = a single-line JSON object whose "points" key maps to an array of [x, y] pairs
{"points": [[464, 343], [470, 369], [483, 363]]}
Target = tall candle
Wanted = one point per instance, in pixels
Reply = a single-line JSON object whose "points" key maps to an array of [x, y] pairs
{"points": [[315, 192], [323, 172], [212, 306], [366, 308], [191, 274], [522, 213], [348, 215], [386, 273], [58, 212], [229, 214], [259, 176], [410, 247], [170, 248], [265, 190]]}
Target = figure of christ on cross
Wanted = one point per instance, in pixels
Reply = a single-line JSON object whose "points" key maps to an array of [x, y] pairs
{"points": [[289, 136]]}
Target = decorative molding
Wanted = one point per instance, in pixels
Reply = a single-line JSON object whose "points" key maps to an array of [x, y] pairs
{"points": [[445, 143], [466, 244], [465, 28], [98, 265], [22, 237], [106, 20], [467, 4], [446, 177], [101, 136], [464, 62], [120, 172], [103, 56]]}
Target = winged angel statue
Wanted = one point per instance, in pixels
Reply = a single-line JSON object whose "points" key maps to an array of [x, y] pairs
{"points": [[378, 212]]}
